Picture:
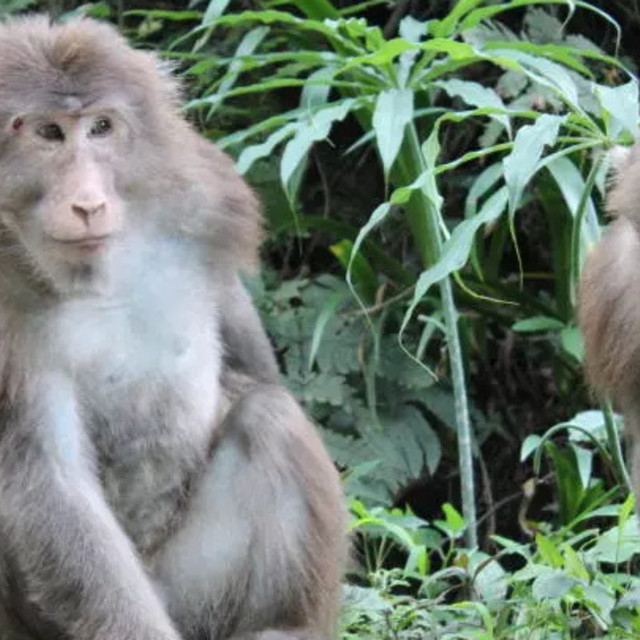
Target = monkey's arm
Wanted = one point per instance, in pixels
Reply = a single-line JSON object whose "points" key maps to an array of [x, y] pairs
{"points": [[610, 312], [246, 346], [75, 571]]}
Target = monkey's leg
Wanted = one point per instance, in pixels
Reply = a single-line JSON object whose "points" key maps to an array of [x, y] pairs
{"points": [[263, 540]]}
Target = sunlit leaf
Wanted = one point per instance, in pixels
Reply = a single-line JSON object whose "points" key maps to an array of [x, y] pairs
{"points": [[522, 163], [393, 111]]}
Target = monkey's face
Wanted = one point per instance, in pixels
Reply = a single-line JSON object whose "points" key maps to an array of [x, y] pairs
{"points": [[58, 193]]}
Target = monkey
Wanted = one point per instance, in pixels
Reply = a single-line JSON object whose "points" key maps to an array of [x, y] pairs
{"points": [[609, 303], [157, 481]]}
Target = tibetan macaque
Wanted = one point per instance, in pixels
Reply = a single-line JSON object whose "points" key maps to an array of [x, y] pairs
{"points": [[610, 303], [156, 482]]}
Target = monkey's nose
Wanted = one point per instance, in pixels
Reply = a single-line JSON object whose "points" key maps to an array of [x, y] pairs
{"points": [[87, 210]]}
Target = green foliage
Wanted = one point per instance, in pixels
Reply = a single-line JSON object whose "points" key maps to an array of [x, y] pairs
{"points": [[566, 584]]}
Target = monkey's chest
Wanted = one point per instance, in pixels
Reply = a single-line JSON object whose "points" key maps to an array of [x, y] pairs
{"points": [[148, 393]]}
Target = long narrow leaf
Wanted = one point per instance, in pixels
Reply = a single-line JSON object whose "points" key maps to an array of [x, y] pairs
{"points": [[523, 161], [393, 112]]}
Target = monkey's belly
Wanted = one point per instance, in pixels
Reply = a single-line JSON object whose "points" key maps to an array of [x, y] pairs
{"points": [[148, 494], [151, 444]]}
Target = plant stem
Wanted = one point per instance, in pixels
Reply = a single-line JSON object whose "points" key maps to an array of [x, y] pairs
{"points": [[425, 228], [614, 446]]}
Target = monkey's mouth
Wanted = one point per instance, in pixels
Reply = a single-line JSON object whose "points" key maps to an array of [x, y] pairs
{"points": [[88, 244]]}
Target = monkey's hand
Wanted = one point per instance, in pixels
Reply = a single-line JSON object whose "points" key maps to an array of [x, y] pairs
{"points": [[72, 570]]}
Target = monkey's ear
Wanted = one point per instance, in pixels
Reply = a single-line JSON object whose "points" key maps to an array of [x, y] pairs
{"points": [[233, 218]]}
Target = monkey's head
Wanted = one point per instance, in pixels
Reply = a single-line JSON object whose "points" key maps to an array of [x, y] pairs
{"points": [[624, 197], [94, 154]]}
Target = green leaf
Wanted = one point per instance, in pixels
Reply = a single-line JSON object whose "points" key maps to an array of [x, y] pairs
{"points": [[552, 584], [386, 54], [407, 445], [250, 154], [392, 113], [317, 9], [309, 130], [215, 9], [250, 41], [477, 95], [523, 161], [621, 103], [584, 460], [482, 184], [490, 582], [378, 215], [361, 274], [316, 92], [159, 14], [326, 313], [571, 184], [456, 250], [548, 551], [538, 323], [617, 545], [572, 342], [455, 521], [449, 24], [529, 445]]}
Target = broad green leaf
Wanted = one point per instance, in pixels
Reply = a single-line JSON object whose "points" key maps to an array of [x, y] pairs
{"points": [[538, 323], [592, 422], [490, 581], [546, 72], [529, 445], [522, 163], [418, 561], [548, 551], [455, 521], [392, 113], [552, 584], [621, 104], [617, 545], [408, 443], [477, 95], [574, 564], [312, 129], [411, 29], [602, 598], [573, 342]]}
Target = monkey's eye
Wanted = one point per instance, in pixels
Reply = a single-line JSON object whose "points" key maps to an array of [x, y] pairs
{"points": [[101, 127], [50, 131]]}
